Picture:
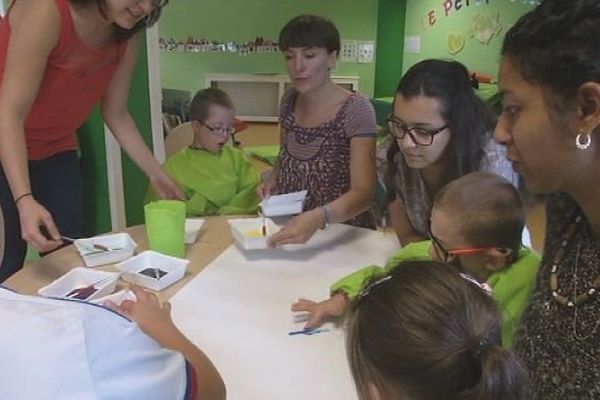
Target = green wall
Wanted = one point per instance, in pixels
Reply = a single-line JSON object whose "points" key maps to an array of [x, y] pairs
{"points": [[459, 18], [93, 152], [135, 181], [390, 46], [96, 205], [243, 20]]}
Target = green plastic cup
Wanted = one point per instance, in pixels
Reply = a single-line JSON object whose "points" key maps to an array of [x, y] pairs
{"points": [[165, 227]]}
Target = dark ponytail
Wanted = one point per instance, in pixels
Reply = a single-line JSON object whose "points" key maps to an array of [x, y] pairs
{"points": [[502, 377]]}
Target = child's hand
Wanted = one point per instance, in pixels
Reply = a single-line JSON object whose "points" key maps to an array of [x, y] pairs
{"points": [[151, 316], [320, 312], [299, 229]]}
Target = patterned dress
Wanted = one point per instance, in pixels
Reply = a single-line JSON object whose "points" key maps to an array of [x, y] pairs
{"points": [[318, 159], [559, 345]]}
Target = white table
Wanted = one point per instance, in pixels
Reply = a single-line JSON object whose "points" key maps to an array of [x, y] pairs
{"points": [[238, 311]]}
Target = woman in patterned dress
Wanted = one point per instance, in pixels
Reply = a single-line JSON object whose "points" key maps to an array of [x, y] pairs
{"points": [[327, 136], [550, 124]]}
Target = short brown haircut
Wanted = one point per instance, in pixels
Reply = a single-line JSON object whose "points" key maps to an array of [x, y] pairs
{"points": [[310, 31], [489, 207], [200, 105]]}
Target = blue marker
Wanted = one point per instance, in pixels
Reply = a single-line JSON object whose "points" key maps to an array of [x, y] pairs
{"points": [[308, 331]]}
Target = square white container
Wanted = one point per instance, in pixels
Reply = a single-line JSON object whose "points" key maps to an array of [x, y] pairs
{"points": [[122, 244], [78, 278], [284, 204], [192, 229], [174, 268], [117, 297], [248, 232]]}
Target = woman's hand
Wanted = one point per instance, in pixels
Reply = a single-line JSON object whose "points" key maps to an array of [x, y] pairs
{"points": [[34, 216], [299, 229], [165, 187]]}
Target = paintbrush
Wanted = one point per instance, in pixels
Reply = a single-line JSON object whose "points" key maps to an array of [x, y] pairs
{"points": [[96, 246]]}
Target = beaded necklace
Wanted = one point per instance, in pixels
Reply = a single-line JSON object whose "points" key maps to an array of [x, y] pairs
{"points": [[558, 259]]}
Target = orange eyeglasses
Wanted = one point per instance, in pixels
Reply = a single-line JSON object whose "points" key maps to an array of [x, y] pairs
{"points": [[466, 252]]}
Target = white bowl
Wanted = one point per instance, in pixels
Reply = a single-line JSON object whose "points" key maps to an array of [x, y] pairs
{"points": [[248, 232], [153, 270], [192, 229], [284, 204], [121, 246], [79, 278]]}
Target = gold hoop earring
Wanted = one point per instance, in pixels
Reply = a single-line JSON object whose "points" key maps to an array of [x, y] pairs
{"points": [[583, 141]]}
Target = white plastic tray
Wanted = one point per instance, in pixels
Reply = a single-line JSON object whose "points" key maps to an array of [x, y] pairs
{"points": [[121, 246], [284, 204], [78, 278], [192, 229], [171, 269], [248, 232], [117, 297]]}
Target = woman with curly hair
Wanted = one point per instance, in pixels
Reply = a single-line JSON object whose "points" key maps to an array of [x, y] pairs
{"points": [[550, 125]]}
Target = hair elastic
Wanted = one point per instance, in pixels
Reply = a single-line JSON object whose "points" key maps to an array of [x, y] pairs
{"points": [[482, 346], [481, 285], [367, 289]]}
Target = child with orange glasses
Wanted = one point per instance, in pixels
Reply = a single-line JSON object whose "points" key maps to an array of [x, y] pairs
{"points": [[476, 225]]}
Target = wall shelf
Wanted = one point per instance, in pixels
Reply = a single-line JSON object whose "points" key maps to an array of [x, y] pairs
{"points": [[257, 96]]}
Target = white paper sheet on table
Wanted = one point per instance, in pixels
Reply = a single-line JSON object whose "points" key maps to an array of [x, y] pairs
{"points": [[238, 311]]}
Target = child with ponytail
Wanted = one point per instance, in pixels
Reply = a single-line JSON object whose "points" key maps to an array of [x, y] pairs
{"points": [[426, 332]]}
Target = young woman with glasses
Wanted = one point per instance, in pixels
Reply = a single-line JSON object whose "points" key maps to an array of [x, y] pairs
{"points": [[439, 130], [58, 58]]}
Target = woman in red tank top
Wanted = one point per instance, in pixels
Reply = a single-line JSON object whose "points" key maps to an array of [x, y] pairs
{"points": [[58, 58]]}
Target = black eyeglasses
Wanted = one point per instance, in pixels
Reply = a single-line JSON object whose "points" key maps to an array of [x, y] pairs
{"points": [[420, 136], [221, 130], [438, 247]]}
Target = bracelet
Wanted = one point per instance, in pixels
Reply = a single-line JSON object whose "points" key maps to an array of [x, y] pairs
{"points": [[326, 216], [21, 196]]}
